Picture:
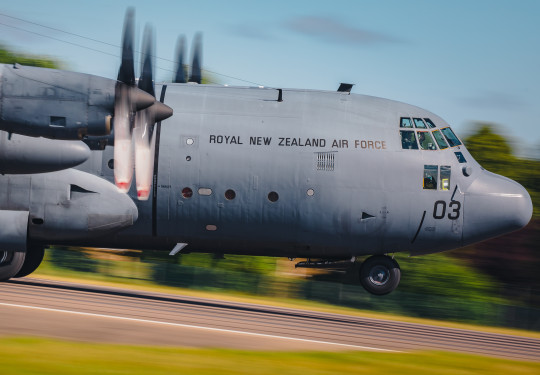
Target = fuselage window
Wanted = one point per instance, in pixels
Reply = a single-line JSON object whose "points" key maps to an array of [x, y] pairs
{"points": [[430, 123], [418, 123], [230, 194], [405, 122], [273, 196], [408, 140], [445, 177], [440, 139], [451, 137], [187, 193], [426, 141], [460, 157], [430, 177]]}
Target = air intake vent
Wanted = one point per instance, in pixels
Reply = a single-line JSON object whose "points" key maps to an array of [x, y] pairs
{"points": [[326, 161]]}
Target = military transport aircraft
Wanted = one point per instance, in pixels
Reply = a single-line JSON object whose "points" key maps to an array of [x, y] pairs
{"points": [[327, 176]]}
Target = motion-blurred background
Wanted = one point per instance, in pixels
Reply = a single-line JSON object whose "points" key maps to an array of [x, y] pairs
{"points": [[489, 48]]}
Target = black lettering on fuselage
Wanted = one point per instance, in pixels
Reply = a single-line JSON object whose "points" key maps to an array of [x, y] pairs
{"points": [[227, 139], [340, 143], [259, 141], [300, 142]]}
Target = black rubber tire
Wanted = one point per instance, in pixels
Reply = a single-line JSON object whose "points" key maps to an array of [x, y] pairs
{"points": [[10, 263], [34, 256], [380, 274]]}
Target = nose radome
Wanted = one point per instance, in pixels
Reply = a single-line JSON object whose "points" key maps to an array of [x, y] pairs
{"points": [[494, 205]]}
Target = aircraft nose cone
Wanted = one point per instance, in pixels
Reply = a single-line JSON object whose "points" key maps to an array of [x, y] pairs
{"points": [[494, 205]]}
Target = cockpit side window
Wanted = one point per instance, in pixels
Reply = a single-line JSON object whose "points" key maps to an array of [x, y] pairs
{"points": [[430, 177], [430, 123], [451, 137], [408, 140], [440, 139], [418, 123], [405, 122], [445, 177], [426, 141]]}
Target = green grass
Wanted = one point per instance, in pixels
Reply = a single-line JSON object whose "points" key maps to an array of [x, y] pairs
{"points": [[45, 356]]}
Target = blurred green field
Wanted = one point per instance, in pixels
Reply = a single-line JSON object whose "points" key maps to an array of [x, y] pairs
{"points": [[45, 356], [455, 291]]}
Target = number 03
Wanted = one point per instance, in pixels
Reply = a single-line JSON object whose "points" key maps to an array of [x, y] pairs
{"points": [[439, 210]]}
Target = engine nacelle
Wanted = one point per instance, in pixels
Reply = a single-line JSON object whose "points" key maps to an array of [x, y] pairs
{"points": [[20, 154], [59, 104], [67, 205]]}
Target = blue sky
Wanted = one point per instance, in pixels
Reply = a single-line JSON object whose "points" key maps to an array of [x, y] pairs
{"points": [[466, 61]]}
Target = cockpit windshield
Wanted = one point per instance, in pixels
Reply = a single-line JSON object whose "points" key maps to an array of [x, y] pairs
{"points": [[451, 137], [426, 141], [405, 122], [418, 123], [408, 140], [440, 139], [430, 123]]}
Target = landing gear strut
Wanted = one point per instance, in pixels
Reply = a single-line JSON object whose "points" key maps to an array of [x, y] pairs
{"points": [[380, 274]]}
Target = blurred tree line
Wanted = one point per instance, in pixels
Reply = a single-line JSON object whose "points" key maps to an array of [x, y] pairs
{"points": [[513, 260], [9, 57], [494, 153]]}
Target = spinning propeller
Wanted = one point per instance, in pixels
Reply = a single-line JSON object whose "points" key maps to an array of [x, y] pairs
{"points": [[134, 125], [196, 75]]}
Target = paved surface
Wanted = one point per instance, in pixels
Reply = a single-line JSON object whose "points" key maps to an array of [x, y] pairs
{"points": [[34, 307]]}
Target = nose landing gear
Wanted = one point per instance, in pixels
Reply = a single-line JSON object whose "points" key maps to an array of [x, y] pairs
{"points": [[380, 274]]}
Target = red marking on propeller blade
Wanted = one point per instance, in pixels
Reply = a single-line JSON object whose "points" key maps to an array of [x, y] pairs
{"points": [[143, 193], [122, 185]]}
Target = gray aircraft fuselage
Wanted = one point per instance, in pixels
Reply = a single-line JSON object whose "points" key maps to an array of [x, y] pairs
{"points": [[318, 174]]}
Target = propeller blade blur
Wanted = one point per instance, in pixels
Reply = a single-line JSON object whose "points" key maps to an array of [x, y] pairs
{"points": [[196, 75], [180, 75], [123, 163], [144, 121], [145, 142], [126, 72], [123, 154], [146, 81]]}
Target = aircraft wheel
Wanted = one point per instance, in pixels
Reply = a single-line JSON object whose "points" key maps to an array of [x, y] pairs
{"points": [[32, 260], [10, 263], [380, 274]]}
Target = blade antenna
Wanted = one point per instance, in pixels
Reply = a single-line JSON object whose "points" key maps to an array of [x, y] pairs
{"points": [[196, 75], [180, 76]]}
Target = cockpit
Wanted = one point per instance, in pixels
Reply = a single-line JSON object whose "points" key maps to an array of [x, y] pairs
{"points": [[422, 134]]}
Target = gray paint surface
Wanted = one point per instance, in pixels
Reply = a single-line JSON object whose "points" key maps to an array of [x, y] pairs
{"points": [[242, 139]]}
